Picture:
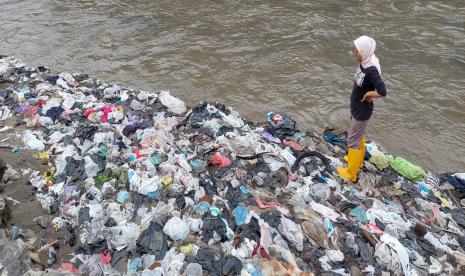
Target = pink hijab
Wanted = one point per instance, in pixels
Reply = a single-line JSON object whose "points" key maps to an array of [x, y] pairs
{"points": [[366, 47]]}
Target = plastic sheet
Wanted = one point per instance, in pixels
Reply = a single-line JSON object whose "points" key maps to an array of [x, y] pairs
{"points": [[176, 229], [240, 214]]}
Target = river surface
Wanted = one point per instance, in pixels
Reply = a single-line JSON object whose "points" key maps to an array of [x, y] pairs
{"points": [[292, 57]]}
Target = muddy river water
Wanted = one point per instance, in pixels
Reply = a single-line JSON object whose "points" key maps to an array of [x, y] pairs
{"points": [[291, 56]]}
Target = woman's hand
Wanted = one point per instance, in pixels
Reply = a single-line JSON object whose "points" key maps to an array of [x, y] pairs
{"points": [[370, 95]]}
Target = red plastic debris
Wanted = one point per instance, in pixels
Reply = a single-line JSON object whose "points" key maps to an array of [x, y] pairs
{"points": [[293, 177], [137, 153], [40, 103], [68, 267], [293, 145], [105, 257], [87, 112], [220, 160], [261, 251]]}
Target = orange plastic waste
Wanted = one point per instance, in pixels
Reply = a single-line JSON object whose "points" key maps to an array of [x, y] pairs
{"points": [[220, 160]]}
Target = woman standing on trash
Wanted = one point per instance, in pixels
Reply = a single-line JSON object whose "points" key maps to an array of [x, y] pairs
{"points": [[368, 86]]}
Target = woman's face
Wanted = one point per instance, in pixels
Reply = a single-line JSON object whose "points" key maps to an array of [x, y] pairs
{"points": [[357, 55]]}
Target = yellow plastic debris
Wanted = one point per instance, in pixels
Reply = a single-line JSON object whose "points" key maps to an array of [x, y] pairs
{"points": [[166, 180], [186, 249], [49, 174], [44, 155], [161, 126], [444, 202]]}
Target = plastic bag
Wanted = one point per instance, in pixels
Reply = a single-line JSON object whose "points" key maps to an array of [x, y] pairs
{"points": [[134, 265], [202, 207], [176, 229], [240, 214], [152, 241], [195, 225], [288, 156], [172, 263], [197, 165], [253, 270], [123, 236], [122, 197], [324, 211], [359, 214], [233, 121], [292, 232], [394, 255], [231, 265], [173, 104], [220, 160], [193, 269], [91, 167], [320, 190], [32, 141], [405, 168], [315, 231], [379, 159]]}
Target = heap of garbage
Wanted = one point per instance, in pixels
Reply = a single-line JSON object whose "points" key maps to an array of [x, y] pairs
{"points": [[141, 183]]}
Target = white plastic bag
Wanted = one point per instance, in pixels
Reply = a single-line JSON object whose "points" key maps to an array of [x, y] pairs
{"points": [[176, 229], [193, 269], [172, 263], [32, 141], [292, 232], [195, 225], [124, 235], [91, 167], [173, 104], [136, 105], [233, 121]]}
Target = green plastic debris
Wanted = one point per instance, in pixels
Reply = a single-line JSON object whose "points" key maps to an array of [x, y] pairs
{"points": [[405, 168], [103, 150], [100, 179], [121, 175], [379, 159], [24, 89]]}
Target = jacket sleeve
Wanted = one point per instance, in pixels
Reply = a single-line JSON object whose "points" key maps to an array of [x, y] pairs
{"points": [[377, 82]]}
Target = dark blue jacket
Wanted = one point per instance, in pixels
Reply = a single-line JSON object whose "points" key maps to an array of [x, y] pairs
{"points": [[366, 79]]}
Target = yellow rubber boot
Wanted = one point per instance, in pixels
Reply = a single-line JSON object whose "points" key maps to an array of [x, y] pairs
{"points": [[353, 166], [362, 147]]}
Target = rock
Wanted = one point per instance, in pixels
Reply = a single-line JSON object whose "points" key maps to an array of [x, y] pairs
{"points": [[322, 147], [43, 257], [10, 174], [15, 258], [42, 221]]}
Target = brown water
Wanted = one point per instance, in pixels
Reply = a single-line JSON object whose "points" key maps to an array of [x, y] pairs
{"points": [[288, 56]]}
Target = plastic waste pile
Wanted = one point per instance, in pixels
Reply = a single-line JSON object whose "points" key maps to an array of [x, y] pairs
{"points": [[140, 183]]}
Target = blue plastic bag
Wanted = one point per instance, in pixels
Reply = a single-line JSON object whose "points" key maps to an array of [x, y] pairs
{"points": [[240, 214], [122, 197], [202, 208], [359, 214]]}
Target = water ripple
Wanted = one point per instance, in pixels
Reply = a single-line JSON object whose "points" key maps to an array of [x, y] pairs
{"points": [[288, 56]]}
